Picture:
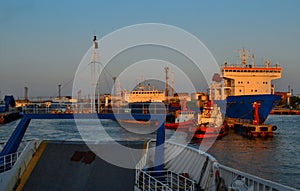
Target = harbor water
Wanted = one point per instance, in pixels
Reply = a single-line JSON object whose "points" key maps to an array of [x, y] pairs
{"points": [[276, 159]]}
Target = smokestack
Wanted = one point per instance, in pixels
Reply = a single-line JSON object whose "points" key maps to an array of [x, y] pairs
{"points": [[115, 86], [59, 91], [26, 93]]}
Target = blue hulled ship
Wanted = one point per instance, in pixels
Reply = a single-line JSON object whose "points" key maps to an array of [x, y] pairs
{"points": [[245, 86]]}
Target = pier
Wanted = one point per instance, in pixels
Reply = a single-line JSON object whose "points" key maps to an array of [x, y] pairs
{"points": [[285, 112]]}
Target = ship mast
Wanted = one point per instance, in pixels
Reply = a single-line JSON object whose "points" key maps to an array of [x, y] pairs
{"points": [[244, 55]]}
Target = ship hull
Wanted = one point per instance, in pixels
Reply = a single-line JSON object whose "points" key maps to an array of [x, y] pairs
{"points": [[180, 125], [241, 107]]}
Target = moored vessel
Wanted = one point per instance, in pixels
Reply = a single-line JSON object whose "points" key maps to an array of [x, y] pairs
{"points": [[210, 123], [242, 84], [180, 119]]}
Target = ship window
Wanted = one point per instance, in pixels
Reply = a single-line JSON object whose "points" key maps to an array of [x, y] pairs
{"points": [[251, 90], [238, 70], [266, 82], [267, 71], [248, 82], [245, 70], [255, 90], [256, 70], [234, 70], [240, 90], [226, 70], [230, 70]]}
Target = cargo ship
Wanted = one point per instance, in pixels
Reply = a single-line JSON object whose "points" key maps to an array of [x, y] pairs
{"points": [[242, 84]]}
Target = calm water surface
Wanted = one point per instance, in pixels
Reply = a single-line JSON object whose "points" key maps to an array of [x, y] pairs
{"points": [[276, 159]]}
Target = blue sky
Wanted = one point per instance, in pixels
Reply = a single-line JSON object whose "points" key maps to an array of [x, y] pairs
{"points": [[43, 42]]}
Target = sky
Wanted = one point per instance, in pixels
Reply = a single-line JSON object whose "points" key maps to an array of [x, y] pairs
{"points": [[43, 42]]}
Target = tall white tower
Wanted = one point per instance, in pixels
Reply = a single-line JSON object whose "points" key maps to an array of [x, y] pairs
{"points": [[95, 77]]}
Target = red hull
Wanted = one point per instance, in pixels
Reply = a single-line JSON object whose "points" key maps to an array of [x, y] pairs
{"points": [[181, 125], [207, 132], [207, 135]]}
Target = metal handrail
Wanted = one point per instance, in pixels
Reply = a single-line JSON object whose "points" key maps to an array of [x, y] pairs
{"points": [[163, 180], [87, 109], [7, 161], [250, 181]]}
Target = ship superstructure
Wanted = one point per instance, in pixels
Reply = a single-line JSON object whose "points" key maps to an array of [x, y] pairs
{"points": [[142, 94], [244, 79]]}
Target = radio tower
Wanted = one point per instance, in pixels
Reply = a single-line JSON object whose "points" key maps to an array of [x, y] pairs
{"points": [[94, 79], [167, 85]]}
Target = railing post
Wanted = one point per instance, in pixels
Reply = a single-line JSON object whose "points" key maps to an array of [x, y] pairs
{"points": [[159, 150], [143, 181]]}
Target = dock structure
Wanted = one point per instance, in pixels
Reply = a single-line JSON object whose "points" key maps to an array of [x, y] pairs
{"points": [[285, 112]]}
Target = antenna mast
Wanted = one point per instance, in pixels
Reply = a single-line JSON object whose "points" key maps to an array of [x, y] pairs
{"points": [[94, 79], [244, 55], [167, 85]]}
